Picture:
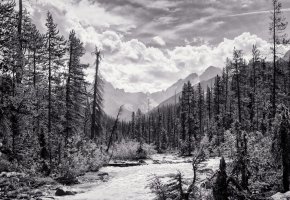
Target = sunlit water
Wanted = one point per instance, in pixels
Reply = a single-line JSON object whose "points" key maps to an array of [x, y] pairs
{"points": [[131, 183]]}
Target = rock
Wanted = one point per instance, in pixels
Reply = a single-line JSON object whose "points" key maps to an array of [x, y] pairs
{"points": [[61, 192], [142, 162], [103, 174], [156, 162], [45, 198], [94, 168], [122, 164], [68, 179]]}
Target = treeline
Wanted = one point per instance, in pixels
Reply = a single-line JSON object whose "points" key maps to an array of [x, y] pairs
{"points": [[244, 115], [49, 121]]}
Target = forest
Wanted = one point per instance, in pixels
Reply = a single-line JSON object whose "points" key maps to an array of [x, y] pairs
{"points": [[53, 129]]}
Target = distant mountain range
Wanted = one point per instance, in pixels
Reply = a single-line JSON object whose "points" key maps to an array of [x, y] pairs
{"points": [[175, 98], [114, 98]]}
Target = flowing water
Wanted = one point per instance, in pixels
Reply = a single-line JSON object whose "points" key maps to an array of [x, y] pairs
{"points": [[131, 183]]}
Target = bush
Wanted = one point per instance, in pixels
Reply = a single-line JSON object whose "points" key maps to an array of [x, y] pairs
{"points": [[6, 166], [131, 150], [85, 157], [228, 147]]}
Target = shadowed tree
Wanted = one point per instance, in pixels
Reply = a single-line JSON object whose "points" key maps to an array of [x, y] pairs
{"points": [[277, 27], [220, 187]]}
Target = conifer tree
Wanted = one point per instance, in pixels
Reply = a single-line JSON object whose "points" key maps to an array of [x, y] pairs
{"points": [[281, 144], [253, 84], [55, 50], [277, 27], [237, 62], [75, 84], [200, 106], [133, 126]]}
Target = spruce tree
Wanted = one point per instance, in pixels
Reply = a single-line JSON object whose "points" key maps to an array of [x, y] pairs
{"points": [[277, 27], [200, 106], [75, 84], [55, 50]]}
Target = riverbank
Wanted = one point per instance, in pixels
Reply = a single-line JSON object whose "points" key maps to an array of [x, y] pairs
{"points": [[133, 182]]}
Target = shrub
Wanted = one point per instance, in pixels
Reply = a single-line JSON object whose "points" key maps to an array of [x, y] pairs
{"points": [[6, 166], [131, 150], [86, 156]]}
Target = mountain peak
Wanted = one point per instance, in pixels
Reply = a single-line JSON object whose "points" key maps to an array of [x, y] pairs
{"points": [[114, 98], [209, 73], [191, 76]]}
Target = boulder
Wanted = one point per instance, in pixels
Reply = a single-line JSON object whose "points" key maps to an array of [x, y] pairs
{"points": [[103, 174], [142, 162], [156, 162], [61, 192]]}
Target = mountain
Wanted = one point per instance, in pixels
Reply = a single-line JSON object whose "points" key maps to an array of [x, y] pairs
{"points": [[114, 98], [287, 56], [175, 98], [209, 73], [160, 96]]}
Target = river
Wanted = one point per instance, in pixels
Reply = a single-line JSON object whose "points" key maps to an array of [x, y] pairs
{"points": [[131, 183]]}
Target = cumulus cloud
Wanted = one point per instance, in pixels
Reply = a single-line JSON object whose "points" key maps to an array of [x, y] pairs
{"points": [[137, 67], [85, 13], [159, 40], [131, 63]]}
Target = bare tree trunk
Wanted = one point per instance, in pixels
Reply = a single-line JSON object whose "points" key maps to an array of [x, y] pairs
{"points": [[238, 91], [49, 100], [114, 128], [274, 65], [20, 56], [67, 101], [93, 125], [34, 68]]}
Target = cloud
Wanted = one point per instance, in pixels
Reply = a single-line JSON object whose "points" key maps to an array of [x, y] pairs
{"points": [[256, 12], [137, 67], [83, 12], [158, 40], [149, 63]]}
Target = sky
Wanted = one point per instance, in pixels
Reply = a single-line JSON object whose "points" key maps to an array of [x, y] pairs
{"points": [[147, 45]]}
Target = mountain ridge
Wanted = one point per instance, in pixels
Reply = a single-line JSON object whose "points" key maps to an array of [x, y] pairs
{"points": [[114, 97]]}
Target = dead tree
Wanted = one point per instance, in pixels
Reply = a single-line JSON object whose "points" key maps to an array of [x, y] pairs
{"points": [[93, 123], [114, 128]]}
